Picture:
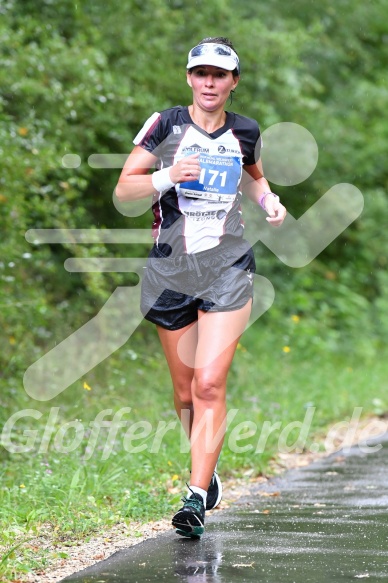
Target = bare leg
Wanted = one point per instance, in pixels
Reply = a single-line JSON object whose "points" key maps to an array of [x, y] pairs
{"points": [[218, 335], [181, 374], [200, 390]]}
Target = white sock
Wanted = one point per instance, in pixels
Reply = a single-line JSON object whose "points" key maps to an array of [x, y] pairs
{"points": [[198, 490]]}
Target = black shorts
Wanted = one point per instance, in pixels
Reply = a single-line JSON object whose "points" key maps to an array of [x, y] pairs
{"points": [[217, 280]]}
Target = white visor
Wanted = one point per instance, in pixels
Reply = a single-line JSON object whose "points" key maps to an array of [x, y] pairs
{"points": [[213, 54]]}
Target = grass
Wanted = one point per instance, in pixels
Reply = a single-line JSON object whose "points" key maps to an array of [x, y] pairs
{"points": [[77, 481]]}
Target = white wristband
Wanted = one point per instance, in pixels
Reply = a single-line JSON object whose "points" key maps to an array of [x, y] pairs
{"points": [[161, 180]]}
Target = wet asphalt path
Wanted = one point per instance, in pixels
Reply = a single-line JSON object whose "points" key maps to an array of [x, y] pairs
{"points": [[325, 523]]}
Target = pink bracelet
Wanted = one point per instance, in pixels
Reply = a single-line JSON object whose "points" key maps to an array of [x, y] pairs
{"points": [[262, 198]]}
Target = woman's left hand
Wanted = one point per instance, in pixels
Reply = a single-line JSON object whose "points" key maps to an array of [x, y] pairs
{"points": [[256, 187], [276, 211]]}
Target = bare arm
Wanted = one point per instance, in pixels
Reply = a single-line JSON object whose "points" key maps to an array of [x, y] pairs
{"points": [[254, 185], [135, 183]]}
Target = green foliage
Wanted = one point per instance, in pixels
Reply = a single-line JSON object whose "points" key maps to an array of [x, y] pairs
{"points": [[81, 77]]}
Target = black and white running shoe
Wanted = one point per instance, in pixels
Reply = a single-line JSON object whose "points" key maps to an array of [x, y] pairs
{"points": [[214, 492], [190, 519]]}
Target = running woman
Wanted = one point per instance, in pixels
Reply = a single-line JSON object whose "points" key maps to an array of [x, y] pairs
{"points": [[197, 286]]}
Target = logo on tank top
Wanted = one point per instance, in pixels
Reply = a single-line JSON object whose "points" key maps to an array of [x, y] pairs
{"points": [[195, 148], [223, 150], [221, 214]]}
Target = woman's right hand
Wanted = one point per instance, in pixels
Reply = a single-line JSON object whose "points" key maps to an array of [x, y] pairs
{"points": [[186, 170]]}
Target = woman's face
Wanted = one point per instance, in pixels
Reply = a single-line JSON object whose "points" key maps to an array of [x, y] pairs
{"points": [[211, 86]]}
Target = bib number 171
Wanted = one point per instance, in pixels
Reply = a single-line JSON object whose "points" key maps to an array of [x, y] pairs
{"points": [[213, 176]]}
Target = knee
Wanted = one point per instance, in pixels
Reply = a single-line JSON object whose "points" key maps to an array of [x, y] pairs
{"points": [[182, 393], [206, 388]]}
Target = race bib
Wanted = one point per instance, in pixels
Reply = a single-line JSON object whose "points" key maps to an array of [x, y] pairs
{"points": [[218, 181]]}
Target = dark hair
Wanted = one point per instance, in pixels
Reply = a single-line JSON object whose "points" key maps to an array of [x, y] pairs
{"points": [[220, 40]]}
